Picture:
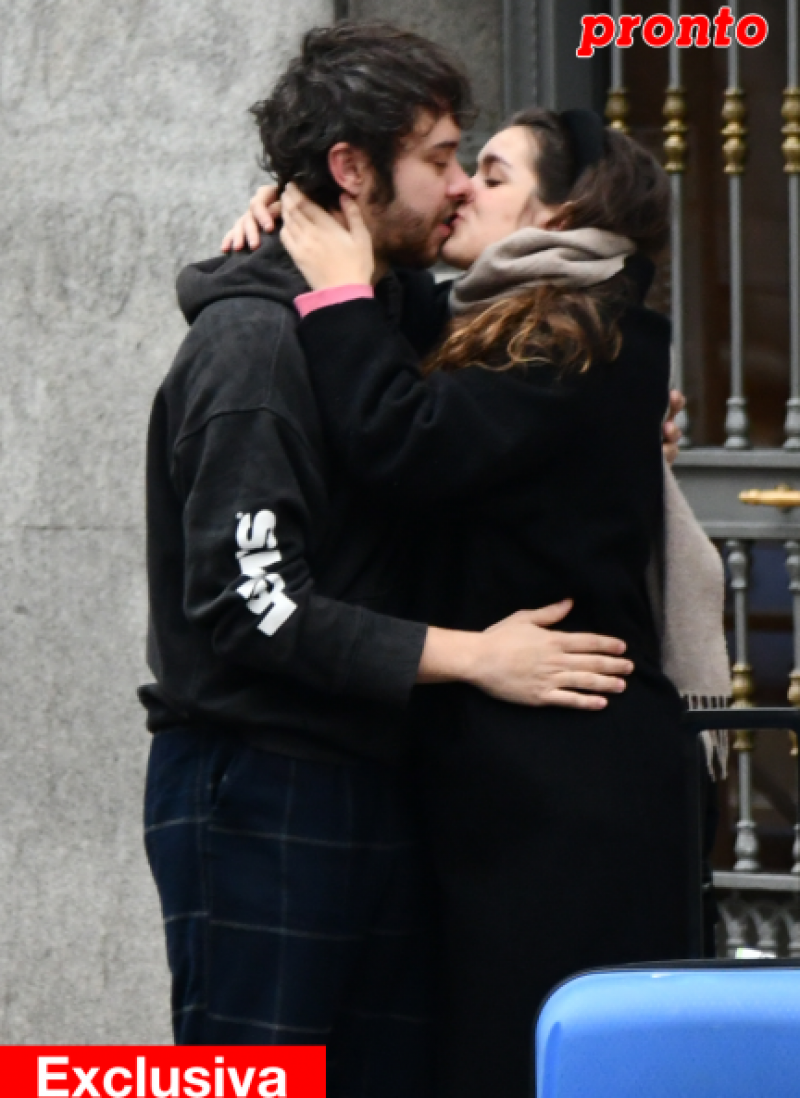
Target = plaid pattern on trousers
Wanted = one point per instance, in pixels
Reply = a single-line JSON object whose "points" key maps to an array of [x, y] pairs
{"points": [[294, 907]]}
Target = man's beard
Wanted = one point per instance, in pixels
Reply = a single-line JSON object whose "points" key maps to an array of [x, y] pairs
{"points": [[403, 237]]}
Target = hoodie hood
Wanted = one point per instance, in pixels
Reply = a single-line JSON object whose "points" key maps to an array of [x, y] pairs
{"points": [[267, 272]]}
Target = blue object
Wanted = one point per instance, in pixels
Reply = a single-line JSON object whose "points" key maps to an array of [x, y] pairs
{"points": [[693, 1032]]}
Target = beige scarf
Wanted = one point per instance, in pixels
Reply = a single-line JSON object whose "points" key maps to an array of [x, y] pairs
{"points": [[687, 592], [686, 585], [531, 257]]}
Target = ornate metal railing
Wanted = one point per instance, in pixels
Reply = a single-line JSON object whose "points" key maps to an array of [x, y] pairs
{"points": [[760, 907]]}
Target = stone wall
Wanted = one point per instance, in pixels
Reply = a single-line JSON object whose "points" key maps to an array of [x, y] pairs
{"points": [[126, 151]]}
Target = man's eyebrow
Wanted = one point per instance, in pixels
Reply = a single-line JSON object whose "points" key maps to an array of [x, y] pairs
{"points": [[445, 145]]}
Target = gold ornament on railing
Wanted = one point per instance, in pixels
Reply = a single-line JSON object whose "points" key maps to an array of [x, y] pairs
{"points": [[794, 699], [742, 686], [793, 569], [791, 131], [784, 497], [794, 688], [734, 114], [618, 109], [675, 145], [743, 691]]}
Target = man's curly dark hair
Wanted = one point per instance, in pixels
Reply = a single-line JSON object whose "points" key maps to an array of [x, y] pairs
{"points": [[363, 83]]}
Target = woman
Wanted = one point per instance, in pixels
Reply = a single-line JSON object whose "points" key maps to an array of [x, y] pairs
{"points": [[533, 445]]}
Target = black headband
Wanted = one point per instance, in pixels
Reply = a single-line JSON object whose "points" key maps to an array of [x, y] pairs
{"points": [[587, 138]]}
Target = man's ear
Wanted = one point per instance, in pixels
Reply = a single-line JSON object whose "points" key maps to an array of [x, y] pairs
{"points": [[351, 168]]}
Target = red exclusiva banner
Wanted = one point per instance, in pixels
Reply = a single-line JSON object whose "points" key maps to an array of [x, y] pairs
{"points": [[126, 1071]]}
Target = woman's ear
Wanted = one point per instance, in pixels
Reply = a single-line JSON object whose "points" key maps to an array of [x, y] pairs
{"points": [[350, 167], [555, 217], [538, 216]]}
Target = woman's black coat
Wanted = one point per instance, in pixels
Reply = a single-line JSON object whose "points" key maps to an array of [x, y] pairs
{"points": [[558, 835]]}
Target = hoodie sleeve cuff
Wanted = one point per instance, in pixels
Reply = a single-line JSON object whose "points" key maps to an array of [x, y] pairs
{"points": [[336, 295], [384, 663]]}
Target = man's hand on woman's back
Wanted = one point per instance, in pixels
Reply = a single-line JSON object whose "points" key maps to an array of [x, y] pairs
{"points": [[522, 660]]}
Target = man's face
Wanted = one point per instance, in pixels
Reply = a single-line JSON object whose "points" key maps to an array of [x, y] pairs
{"points": [[429, 185]]}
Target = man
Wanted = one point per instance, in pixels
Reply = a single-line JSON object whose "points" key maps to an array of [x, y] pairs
{"points": [[278, 823]]}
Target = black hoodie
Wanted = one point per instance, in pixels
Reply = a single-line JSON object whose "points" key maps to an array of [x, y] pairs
{"points": [[270, 575]]}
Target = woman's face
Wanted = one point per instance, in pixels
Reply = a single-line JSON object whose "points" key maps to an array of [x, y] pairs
{"points": [[504, 197]]}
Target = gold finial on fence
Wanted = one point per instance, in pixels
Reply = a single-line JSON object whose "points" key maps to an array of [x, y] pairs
{"points": [[675, 129], [794, 699], [743, 686], [617, 110], [743, 690], [794, 688], [791, 130], [734, 114]]}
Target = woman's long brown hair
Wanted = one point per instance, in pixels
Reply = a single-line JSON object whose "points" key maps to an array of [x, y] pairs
{"points": [[626, 192]]}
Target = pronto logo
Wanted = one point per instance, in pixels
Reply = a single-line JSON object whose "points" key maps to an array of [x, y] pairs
{"points": [[660, 30]]}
